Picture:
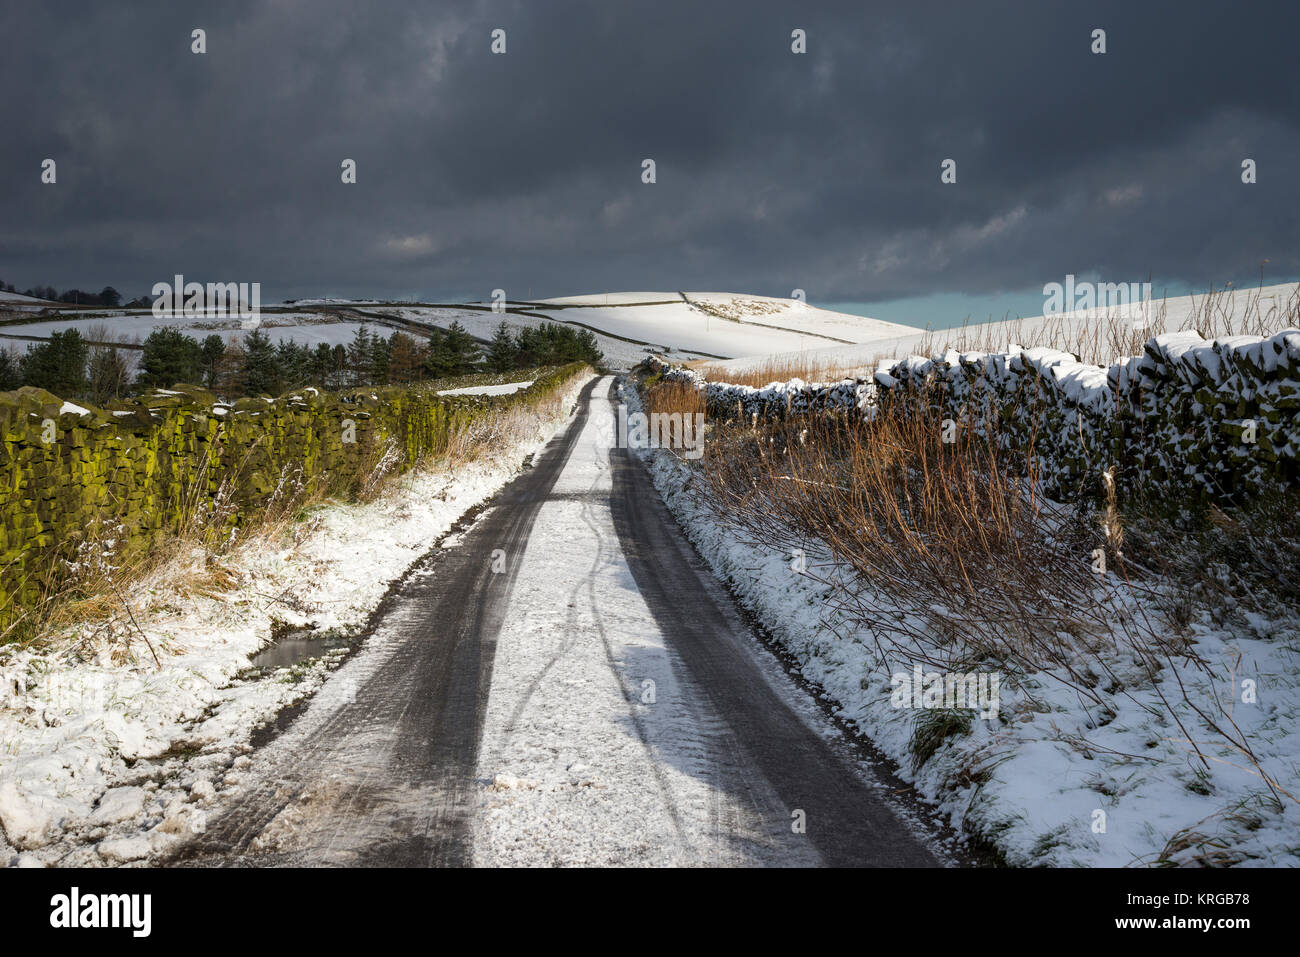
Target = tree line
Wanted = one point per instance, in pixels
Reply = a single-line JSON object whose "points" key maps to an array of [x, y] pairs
{"points": [[108, 296], [73, 368]]}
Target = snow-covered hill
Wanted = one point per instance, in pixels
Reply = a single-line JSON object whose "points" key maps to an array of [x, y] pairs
{"points": [[14, 302], [1221, 314], [741, 331], [717, 324], [8, 297], [628, 325], [684, 325]]}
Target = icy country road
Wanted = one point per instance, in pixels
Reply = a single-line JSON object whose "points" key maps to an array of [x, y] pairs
{"points": [[561, 683]]}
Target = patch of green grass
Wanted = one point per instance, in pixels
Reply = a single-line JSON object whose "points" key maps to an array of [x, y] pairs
{"points": [[932, 727]]}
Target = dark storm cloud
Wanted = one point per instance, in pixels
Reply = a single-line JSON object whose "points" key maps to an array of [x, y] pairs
{"points": [[522, 171]]}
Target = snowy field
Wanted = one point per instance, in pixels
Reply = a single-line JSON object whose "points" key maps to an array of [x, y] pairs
{"points": [[311, 327], [305, 328], [15, 299], [11, 302], [1055, 331], [628, 326], [743, 332], [631, 325], [790, 315], [506, 388], [106, 758], [719, 324], [618, 353]]}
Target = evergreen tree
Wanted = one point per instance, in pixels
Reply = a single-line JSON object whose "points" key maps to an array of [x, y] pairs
{"points": [[169, 357], [552, 343], [339, 373], [502, 355], [379, 357], [322, 365], [294, 364], [452, 352], [360, 357], [58, 365], [461, 350], [588, 350], [531, 348], [262, 374], [11, 373], [210, 353], [435, 354]]}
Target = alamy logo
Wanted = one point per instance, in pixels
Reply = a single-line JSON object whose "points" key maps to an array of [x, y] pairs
{"points": [[217, 299], [976, 691], [662, 430], [134, 911], [1098, 300]]}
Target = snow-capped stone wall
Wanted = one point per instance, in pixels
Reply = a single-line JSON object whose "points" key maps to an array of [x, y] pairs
{"points": [[726, 402], [1220, 418]]}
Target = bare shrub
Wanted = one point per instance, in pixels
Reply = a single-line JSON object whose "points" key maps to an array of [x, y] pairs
{"points": [[674, 398]]}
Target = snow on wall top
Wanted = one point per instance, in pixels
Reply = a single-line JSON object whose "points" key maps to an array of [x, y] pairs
{"points": [[1221, 415]]}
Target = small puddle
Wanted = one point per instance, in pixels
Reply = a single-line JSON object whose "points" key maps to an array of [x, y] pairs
{"points": [[296, 646]]}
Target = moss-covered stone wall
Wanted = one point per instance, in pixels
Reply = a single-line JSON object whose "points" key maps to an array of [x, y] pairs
{"points": [[138, 472]]}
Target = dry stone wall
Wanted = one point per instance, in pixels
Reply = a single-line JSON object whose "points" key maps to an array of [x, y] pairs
{"points": [[135, 473], [1215, 418]]}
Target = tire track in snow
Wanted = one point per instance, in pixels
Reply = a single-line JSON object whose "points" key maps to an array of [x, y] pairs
{"points": [[484, 723], [656, 781], [847, 821], [603, 559], [378, 768]]}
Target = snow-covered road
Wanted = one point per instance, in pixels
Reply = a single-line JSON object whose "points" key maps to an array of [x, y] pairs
{"points": [[562, 683], [599, 749]]}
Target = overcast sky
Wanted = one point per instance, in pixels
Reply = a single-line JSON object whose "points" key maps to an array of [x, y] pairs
{"points": [[523, 171]]}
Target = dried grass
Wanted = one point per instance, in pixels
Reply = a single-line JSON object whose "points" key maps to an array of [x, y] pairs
{"points": [[945, 555], [777, 369]]}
